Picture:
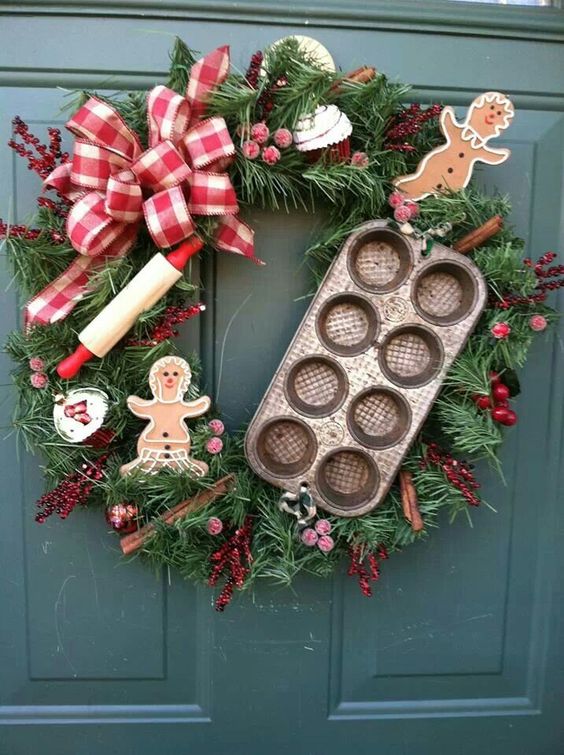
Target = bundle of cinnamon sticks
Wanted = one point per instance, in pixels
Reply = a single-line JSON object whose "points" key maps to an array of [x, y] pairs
{"points": [[130, 543], [409, 501], [479, 235]]}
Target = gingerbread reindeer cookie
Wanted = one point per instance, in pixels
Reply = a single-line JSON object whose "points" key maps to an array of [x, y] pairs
{"points": [[165, 442], [449, 167]]}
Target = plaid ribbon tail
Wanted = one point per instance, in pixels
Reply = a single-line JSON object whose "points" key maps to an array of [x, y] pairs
{"points": [[232, 235], [207, 74]]}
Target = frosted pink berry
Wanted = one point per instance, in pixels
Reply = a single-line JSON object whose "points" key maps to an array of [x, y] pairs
{"points": [[270, 155], [396, 199], [214, 525], [413, 209], [402, 213], [538, 323], [500, 330], [36, 364], [251, 150], [323, 526], [309, 537], [325, 543], [216, 426], [39, 380], [260, 132], [283, 138], [214, 446], [360, 159]]}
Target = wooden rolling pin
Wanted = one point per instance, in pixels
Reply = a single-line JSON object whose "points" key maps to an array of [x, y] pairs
{"points": [[113, 322], [132, 542]]}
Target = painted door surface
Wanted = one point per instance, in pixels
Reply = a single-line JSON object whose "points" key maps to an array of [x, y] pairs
{"points": [[460, 650]]}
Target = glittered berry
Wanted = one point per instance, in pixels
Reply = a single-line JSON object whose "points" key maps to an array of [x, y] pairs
{"points": [[499, 414], [396, 199], [537, 323], [494, 377], [270, 155], [483, 402], [360, 160], [309, 537], [214, 525], [510, 418], [500, 392], [402, 213], [323, 527], [260, 132], [38, 365], [214, 446], [413, 209], [251, 150], [500, 330], [39, 380], [283, 138], [216, 426], [325, 543]]}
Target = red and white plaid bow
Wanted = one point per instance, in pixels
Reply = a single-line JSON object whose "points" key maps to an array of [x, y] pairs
{"points": [[115, 185]]}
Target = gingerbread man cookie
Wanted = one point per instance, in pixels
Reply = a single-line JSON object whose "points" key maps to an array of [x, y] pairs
{"points": [[449, 167], [165, 442]]}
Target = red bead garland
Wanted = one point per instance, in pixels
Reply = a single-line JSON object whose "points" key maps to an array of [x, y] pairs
{"points": [[407, 124], [73, 490], [357, 567], [458, 473], [233, 558], [165, 329]]}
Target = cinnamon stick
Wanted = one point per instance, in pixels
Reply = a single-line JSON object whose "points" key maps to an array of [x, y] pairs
{"points": [[132, 542], [480, 235], [409, 501], [361, 75]]}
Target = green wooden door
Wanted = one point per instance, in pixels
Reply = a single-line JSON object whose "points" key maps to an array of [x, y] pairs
{"points": [[460, 650]]}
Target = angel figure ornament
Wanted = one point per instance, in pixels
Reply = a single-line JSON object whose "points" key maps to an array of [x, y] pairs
{"points": [[449, 167], [165, 442]]}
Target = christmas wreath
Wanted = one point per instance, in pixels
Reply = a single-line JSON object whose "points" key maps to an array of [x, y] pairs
{"points": [[174, 167]]}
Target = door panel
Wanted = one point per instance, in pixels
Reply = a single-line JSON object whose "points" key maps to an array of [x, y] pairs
{"points": [[460, 646]]}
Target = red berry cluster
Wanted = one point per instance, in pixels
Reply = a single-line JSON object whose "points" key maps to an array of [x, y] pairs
{"points": [[29, 234], [357, 567], [41, 158], [549, 279], [253, 71], [165, 329], [74, 489], [406, 124], [497, 402], [458, 473], [233, 559]]}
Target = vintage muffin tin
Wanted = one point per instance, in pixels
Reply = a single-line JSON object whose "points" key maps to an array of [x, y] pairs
{"points": [[364, 368]]}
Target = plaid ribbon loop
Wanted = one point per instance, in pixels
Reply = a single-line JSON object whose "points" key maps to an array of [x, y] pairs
{"points": [[115, 186]]}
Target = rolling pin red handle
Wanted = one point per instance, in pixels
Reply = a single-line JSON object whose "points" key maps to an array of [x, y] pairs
{"points": [[180, 256], [70, 366]]}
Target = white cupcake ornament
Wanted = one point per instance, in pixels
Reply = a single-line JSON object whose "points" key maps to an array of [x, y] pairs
{"points": [[80, 413], [326, 127]]}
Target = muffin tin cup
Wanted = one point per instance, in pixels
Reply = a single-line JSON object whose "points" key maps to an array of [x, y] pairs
{"points": [[347, 324], [364, 368], [316, 386], [444, 293]]}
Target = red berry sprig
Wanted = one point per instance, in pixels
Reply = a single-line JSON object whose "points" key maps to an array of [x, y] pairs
{"points": [[73, 490], [407, 124], [253, 71], [457, 472], [357, 567], [497, 402], [165, 329], [233, 559], [548, 279], [41, 158]]}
